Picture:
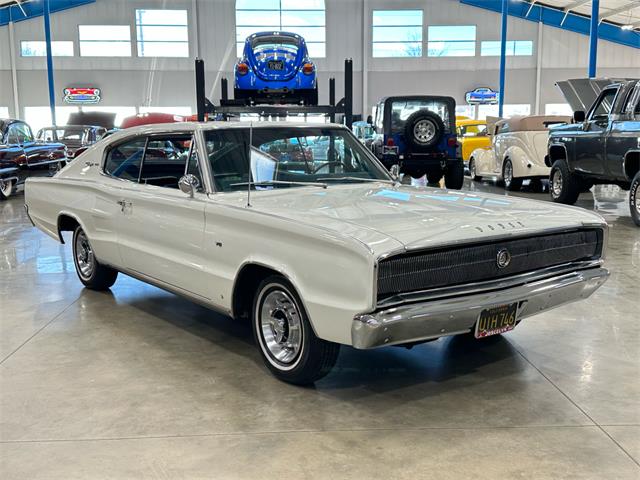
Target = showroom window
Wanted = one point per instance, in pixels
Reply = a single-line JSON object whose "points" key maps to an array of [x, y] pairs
{"points": [[4, 112], [39, 117], [304, 17], [513, 48], [183, 111], [451, 41], [558, 109], [162, 33], [38, 48], [509, 110], [397, 33], [105, 40], [465, 110]]}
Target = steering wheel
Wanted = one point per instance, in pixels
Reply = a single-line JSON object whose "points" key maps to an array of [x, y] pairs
{"points": [[325, 164]]}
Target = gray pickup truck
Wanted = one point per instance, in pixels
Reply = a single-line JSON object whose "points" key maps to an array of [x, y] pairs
{"points": [[601, 146]]}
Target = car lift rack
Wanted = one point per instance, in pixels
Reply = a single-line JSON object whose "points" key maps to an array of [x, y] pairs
{"points": [[230, 108]]}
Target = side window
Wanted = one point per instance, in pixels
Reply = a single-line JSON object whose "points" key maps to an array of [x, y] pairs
{"points": [[379, 117], [603, 105], [193, 167], [124, 160], [227, 152], [165, 160]]}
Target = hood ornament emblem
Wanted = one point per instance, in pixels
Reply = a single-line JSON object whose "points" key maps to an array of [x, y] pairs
{"points": [[503, 258]]}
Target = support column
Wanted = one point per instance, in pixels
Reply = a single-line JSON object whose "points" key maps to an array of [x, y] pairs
{"points": [[503, 55], [538, 68], [593, 38], [47, 37], [365, 58], [14, 72]]}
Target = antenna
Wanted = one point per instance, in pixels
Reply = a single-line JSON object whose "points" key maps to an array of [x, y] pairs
{"points": [[249, 182]]}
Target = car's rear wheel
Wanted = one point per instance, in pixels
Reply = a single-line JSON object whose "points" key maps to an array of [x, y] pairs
{"points": [[472, 170], [285, 339], [634, 199], [563, 186], [454, 176], [510, 183], [434, 178], [91, 273], [6, 188]]}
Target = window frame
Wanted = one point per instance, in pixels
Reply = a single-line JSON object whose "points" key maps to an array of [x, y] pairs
{"points": [[73, 48], [80, 41], [139, 26], [591, 117], [396, 42], [475, 41]]}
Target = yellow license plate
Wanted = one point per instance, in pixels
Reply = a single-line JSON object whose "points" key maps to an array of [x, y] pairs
{"points": [[496, 320]]}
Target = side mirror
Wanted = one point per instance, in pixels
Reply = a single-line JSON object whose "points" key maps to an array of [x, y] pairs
{"points": [[579, 116], [395, 171], [189, 184], [369, 119]]}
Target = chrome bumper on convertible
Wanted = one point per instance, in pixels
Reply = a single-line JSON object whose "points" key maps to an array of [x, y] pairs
{"points": [[415, 321]]}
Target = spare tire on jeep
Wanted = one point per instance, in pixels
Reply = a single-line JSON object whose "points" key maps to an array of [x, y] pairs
{"points": [[423, 129]]}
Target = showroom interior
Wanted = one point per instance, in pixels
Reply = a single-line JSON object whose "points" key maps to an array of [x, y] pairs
{"points": [[526, 116]]}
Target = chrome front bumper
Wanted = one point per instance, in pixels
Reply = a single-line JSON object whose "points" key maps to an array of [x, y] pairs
{"points": [[426, 320]]}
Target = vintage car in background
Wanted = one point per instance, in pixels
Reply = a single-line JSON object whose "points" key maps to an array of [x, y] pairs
{"points": [[77, 138], [418, 133], [517, 151], [599, 147], [333, 251], [275, 68], [22, 156], [472, 134]]}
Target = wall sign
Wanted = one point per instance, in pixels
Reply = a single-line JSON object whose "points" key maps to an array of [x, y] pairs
{"points": [[82, 95], [482, 96]]}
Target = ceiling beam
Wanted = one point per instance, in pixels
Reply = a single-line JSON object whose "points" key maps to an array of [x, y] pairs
{"points": [[622, 9], [575, 4]]}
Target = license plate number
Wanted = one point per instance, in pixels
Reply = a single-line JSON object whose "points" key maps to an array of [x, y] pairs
{"points": [[275, 65], [496, 320]]}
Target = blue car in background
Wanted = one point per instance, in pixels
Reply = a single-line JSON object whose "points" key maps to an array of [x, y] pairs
{"points": [[275, 68]]}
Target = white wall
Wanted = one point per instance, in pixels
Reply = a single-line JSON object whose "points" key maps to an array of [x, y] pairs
{"points": [[170, 82]]}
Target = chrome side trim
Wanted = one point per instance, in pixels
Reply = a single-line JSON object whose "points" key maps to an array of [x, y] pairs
{"points": [[428, 320]]}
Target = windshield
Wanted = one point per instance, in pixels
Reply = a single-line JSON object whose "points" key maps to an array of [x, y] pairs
{"points": [[267, 46], [68, 134], [473, 130], [288, 156], [402, 109]]}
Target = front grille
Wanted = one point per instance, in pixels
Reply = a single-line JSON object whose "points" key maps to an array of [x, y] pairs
{"points": [[425, 270]]}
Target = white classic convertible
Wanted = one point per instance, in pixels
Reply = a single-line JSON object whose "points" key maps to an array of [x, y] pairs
{"points": [[517, 151], [302, 230]]}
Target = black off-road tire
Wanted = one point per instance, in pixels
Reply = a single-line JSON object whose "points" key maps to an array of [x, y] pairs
{"points": [[99, 277], [567, 186], [423, 116], [454, 175], [434, 178], [634, 199], [472, 170], [512, 184], [315, 358]]}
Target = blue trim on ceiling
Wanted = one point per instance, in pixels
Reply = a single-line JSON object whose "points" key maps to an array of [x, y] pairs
{"points": [[553, 17], [36, 9]]}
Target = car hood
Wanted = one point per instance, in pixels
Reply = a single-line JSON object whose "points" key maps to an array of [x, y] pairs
{"points": [[387, 218]]}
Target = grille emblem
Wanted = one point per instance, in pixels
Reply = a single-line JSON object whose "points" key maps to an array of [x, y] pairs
{"points": [[503, 259]]}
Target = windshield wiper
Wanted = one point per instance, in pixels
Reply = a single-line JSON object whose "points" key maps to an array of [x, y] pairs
{"points": [[279, 182], [357, 178]]}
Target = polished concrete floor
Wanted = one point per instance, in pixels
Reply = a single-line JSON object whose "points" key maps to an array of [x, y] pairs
{"points": [[138, 383]]}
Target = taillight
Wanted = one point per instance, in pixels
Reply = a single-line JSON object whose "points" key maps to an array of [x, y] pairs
{"points": [[307, 68], [452, 142], [390, 142], [242, 68]]}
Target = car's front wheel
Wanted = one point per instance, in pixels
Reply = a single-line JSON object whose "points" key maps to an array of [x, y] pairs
{"points": [[634, 199], [287, 343], [563, 186], [473, 173], [6, 188], [91, 273]]}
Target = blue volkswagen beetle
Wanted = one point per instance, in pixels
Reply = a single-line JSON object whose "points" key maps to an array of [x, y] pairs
{"points": [[275, 68]]}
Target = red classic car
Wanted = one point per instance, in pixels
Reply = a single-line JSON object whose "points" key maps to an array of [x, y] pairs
{"points": [[21, 156]]}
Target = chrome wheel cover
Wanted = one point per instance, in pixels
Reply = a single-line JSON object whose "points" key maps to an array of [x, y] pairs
{"points": [[637, 195], [85, 260], [556, 183], [508, 173], [424, 131], [472, 168], [280, 325]]}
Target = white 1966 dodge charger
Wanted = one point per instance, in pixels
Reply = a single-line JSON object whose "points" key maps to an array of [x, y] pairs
{"points": [[300, 229]]}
